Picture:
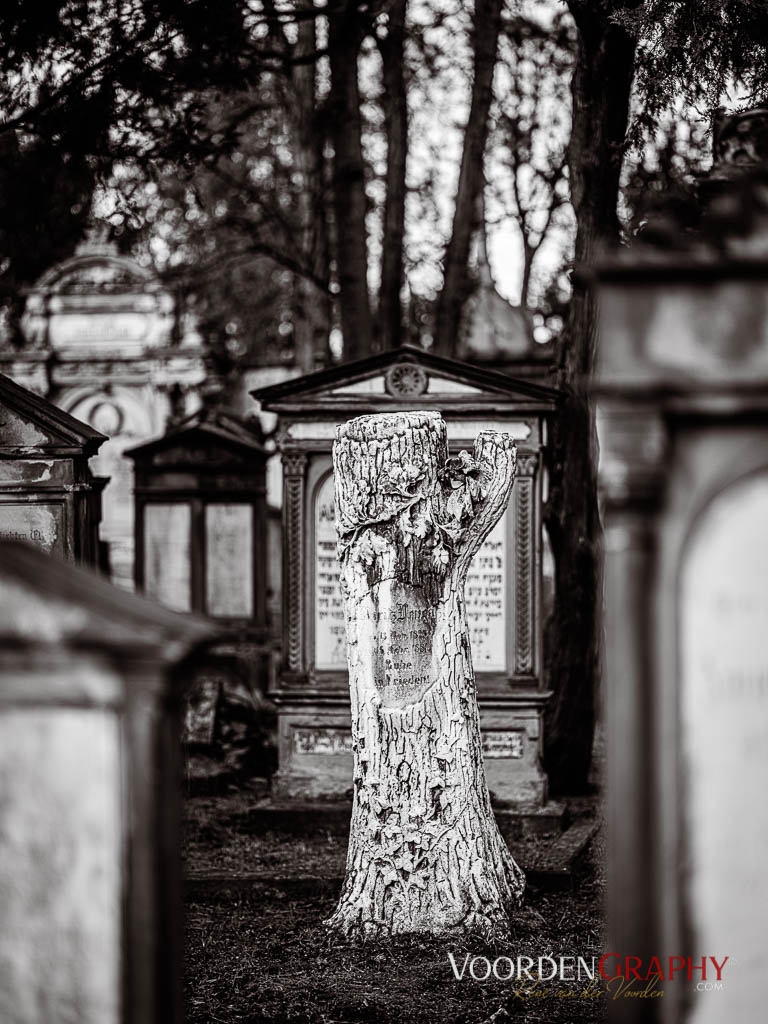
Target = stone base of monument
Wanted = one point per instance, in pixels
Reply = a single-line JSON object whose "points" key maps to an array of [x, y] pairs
{"points": [[298, 816], [517, 821], [315, 754]]}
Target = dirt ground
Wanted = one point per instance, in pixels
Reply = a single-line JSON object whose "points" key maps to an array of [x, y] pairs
{"points": [[257, 950]]}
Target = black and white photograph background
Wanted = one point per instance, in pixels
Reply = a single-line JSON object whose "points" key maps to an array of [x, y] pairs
{"points": [[383, 480]]}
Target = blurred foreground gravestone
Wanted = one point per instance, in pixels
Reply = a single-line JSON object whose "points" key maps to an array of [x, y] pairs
{"points": [[90, 873], [48, 495], [425, 854], [682, 393]]}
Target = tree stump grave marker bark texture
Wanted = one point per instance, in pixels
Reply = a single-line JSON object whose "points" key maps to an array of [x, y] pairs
{"points": [[425, 853]]}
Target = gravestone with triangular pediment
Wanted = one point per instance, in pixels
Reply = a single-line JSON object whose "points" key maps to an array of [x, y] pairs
{"points": [[507, 586], [48, 496], [200, 495]]}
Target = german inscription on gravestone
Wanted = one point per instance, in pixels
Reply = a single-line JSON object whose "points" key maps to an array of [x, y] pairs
{"points": [[402, 661], [41, 525], [486, 596], [724, 720]]}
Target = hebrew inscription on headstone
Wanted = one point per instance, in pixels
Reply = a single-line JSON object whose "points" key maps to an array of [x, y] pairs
{"points": [[486, 593]]}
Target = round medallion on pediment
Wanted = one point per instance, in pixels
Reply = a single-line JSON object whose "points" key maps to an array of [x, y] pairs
{"points": [[405, 380]]}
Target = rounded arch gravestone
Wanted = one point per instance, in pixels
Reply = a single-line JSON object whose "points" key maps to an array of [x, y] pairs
{"points": [[723, 614], [126, 415], [106, 342]]}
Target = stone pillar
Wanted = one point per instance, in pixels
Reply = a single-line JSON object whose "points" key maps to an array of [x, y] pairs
{"points": [[632, 449], [294, 468]]}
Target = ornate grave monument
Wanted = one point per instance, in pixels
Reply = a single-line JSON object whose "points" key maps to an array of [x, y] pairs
{"points": [[48, 495], [682, 394], [90, 778], [105, 344], [505, 583]]}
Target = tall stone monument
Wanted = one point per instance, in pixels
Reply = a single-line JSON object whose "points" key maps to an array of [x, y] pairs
{"points": [[91, 681], [425, 853], [104, 343], [507, 583]]}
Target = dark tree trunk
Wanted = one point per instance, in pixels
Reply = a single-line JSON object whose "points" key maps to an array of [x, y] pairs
{"points": [[312, 305], [396, 117], [345, 33], [601, 87], [456, 284]]}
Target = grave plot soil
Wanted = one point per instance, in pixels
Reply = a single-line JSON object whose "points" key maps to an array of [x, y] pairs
{"points": [[256, 949]]}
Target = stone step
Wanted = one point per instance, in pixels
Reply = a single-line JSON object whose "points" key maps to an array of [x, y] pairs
{"points": [[553, 865]]}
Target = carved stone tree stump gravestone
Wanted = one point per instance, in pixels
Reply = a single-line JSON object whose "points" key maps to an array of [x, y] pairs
{"points": [[425, 854]]}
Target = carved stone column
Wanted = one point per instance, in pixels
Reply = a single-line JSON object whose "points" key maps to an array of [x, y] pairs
{"points": [[526, 558], [294, 469], [631, 478]]}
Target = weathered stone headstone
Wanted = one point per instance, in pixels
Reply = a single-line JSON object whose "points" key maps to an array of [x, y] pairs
{"points": [[425, 852], [201, 519], [723, 608], [48, 496], [90, 723], [201, 546]]}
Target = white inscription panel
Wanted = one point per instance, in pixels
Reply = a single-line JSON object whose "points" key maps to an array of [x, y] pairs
{"points": [[724, 719], [167, 568], [229, 559], [486, 594], [486, 599], [61, 848], [73, 328], [330, 629], [503, 743], [322, 741]]}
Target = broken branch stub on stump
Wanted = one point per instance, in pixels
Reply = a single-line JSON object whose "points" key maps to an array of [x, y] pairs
{"points": [[425, 854]]}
